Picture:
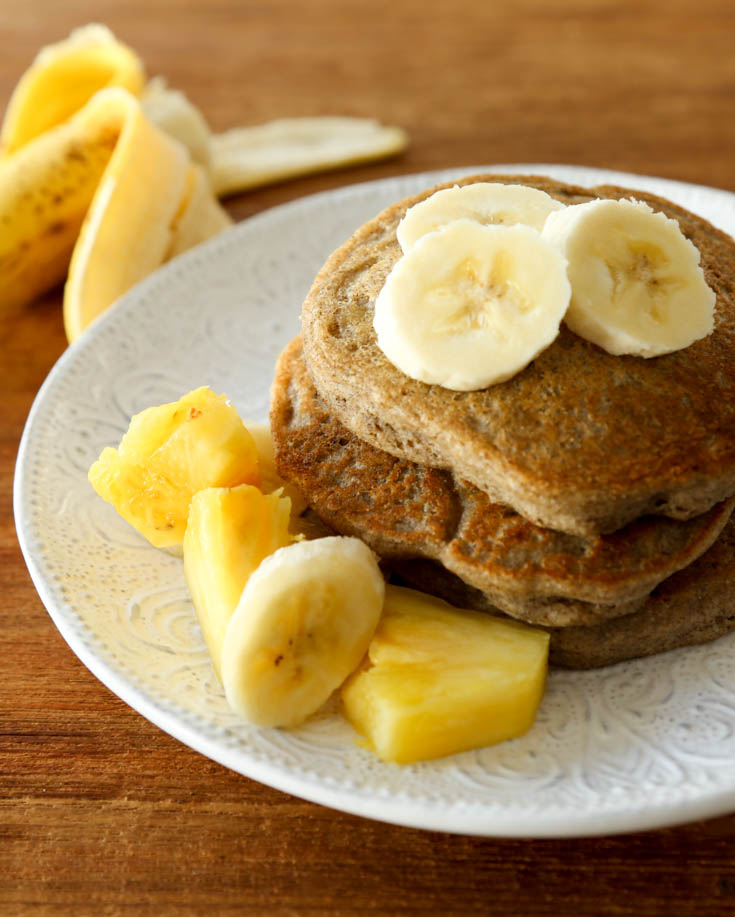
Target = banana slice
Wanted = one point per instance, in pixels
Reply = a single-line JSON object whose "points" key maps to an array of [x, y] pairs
{"points": [[247, 157], [303, 624], [471, 305], [62, 79], [489, 203], [637, 286]]}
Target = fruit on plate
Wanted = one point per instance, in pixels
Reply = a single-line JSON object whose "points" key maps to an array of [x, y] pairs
{"points": [[169, 453], [637, 285], [439, 680], [270, 479], [246, 157], [489, 203], [470, 305], [229, 532], [303, 623], [63, 78]]}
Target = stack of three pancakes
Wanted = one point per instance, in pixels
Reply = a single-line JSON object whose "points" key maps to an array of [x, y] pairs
{"points": [[590, 495]]}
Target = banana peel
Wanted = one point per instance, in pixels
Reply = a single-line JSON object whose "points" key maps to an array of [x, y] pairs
{"points": [[148, 207], [107, 186], [46, 188], [248, 157], [63, 78]]}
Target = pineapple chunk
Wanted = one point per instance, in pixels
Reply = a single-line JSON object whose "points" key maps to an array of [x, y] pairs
{"points": [[230, 531], [439, 680], [168, 454]]}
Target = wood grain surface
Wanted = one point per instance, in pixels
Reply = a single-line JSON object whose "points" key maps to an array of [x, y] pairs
{"points": [[100, 812]]}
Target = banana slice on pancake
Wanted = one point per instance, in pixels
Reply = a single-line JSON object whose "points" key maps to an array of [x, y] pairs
{"points": [[489, 203], [637, 284], [303, 624], [470, 305]]}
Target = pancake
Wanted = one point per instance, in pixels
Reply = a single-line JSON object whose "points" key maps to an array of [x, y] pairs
{"points": [[404, 510], [580, 440]]}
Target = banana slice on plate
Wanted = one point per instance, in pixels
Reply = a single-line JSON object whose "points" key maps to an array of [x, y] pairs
{"points": [[303, 624], [489, 203], [637, 285], [471, 305]]}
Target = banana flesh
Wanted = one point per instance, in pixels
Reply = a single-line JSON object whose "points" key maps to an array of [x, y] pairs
{"points": [[303, 624], [175, 114], [470, 305], [489, 203], [200, 215], [63, 78], [637, 284]]}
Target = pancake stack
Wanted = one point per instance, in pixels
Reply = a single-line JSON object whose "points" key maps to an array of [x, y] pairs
{"points": [[590, 494]]}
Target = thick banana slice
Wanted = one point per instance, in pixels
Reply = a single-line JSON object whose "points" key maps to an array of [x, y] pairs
{"points": [[303, 624], [471, 305], [127, 232], [489, 203], [637, 286], [247, 157], [63, 78]]}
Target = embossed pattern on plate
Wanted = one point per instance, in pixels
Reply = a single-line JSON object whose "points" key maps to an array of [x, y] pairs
{"points": [[638, 745]]}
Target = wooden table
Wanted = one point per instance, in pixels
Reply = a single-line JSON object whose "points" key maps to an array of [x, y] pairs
{"points": [[102, 813]]}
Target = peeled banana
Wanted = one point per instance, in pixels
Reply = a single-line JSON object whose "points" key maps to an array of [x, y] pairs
{"points": [[470, 305], [637, 285], [304, 622]]}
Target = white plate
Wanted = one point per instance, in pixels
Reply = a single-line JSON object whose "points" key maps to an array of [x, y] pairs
{"points": [[638, 745]]}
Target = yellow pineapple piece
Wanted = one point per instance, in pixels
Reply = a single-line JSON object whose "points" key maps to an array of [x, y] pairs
{"points": [[439, 680], [168, 454], [230, 531], [270, 478]]}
